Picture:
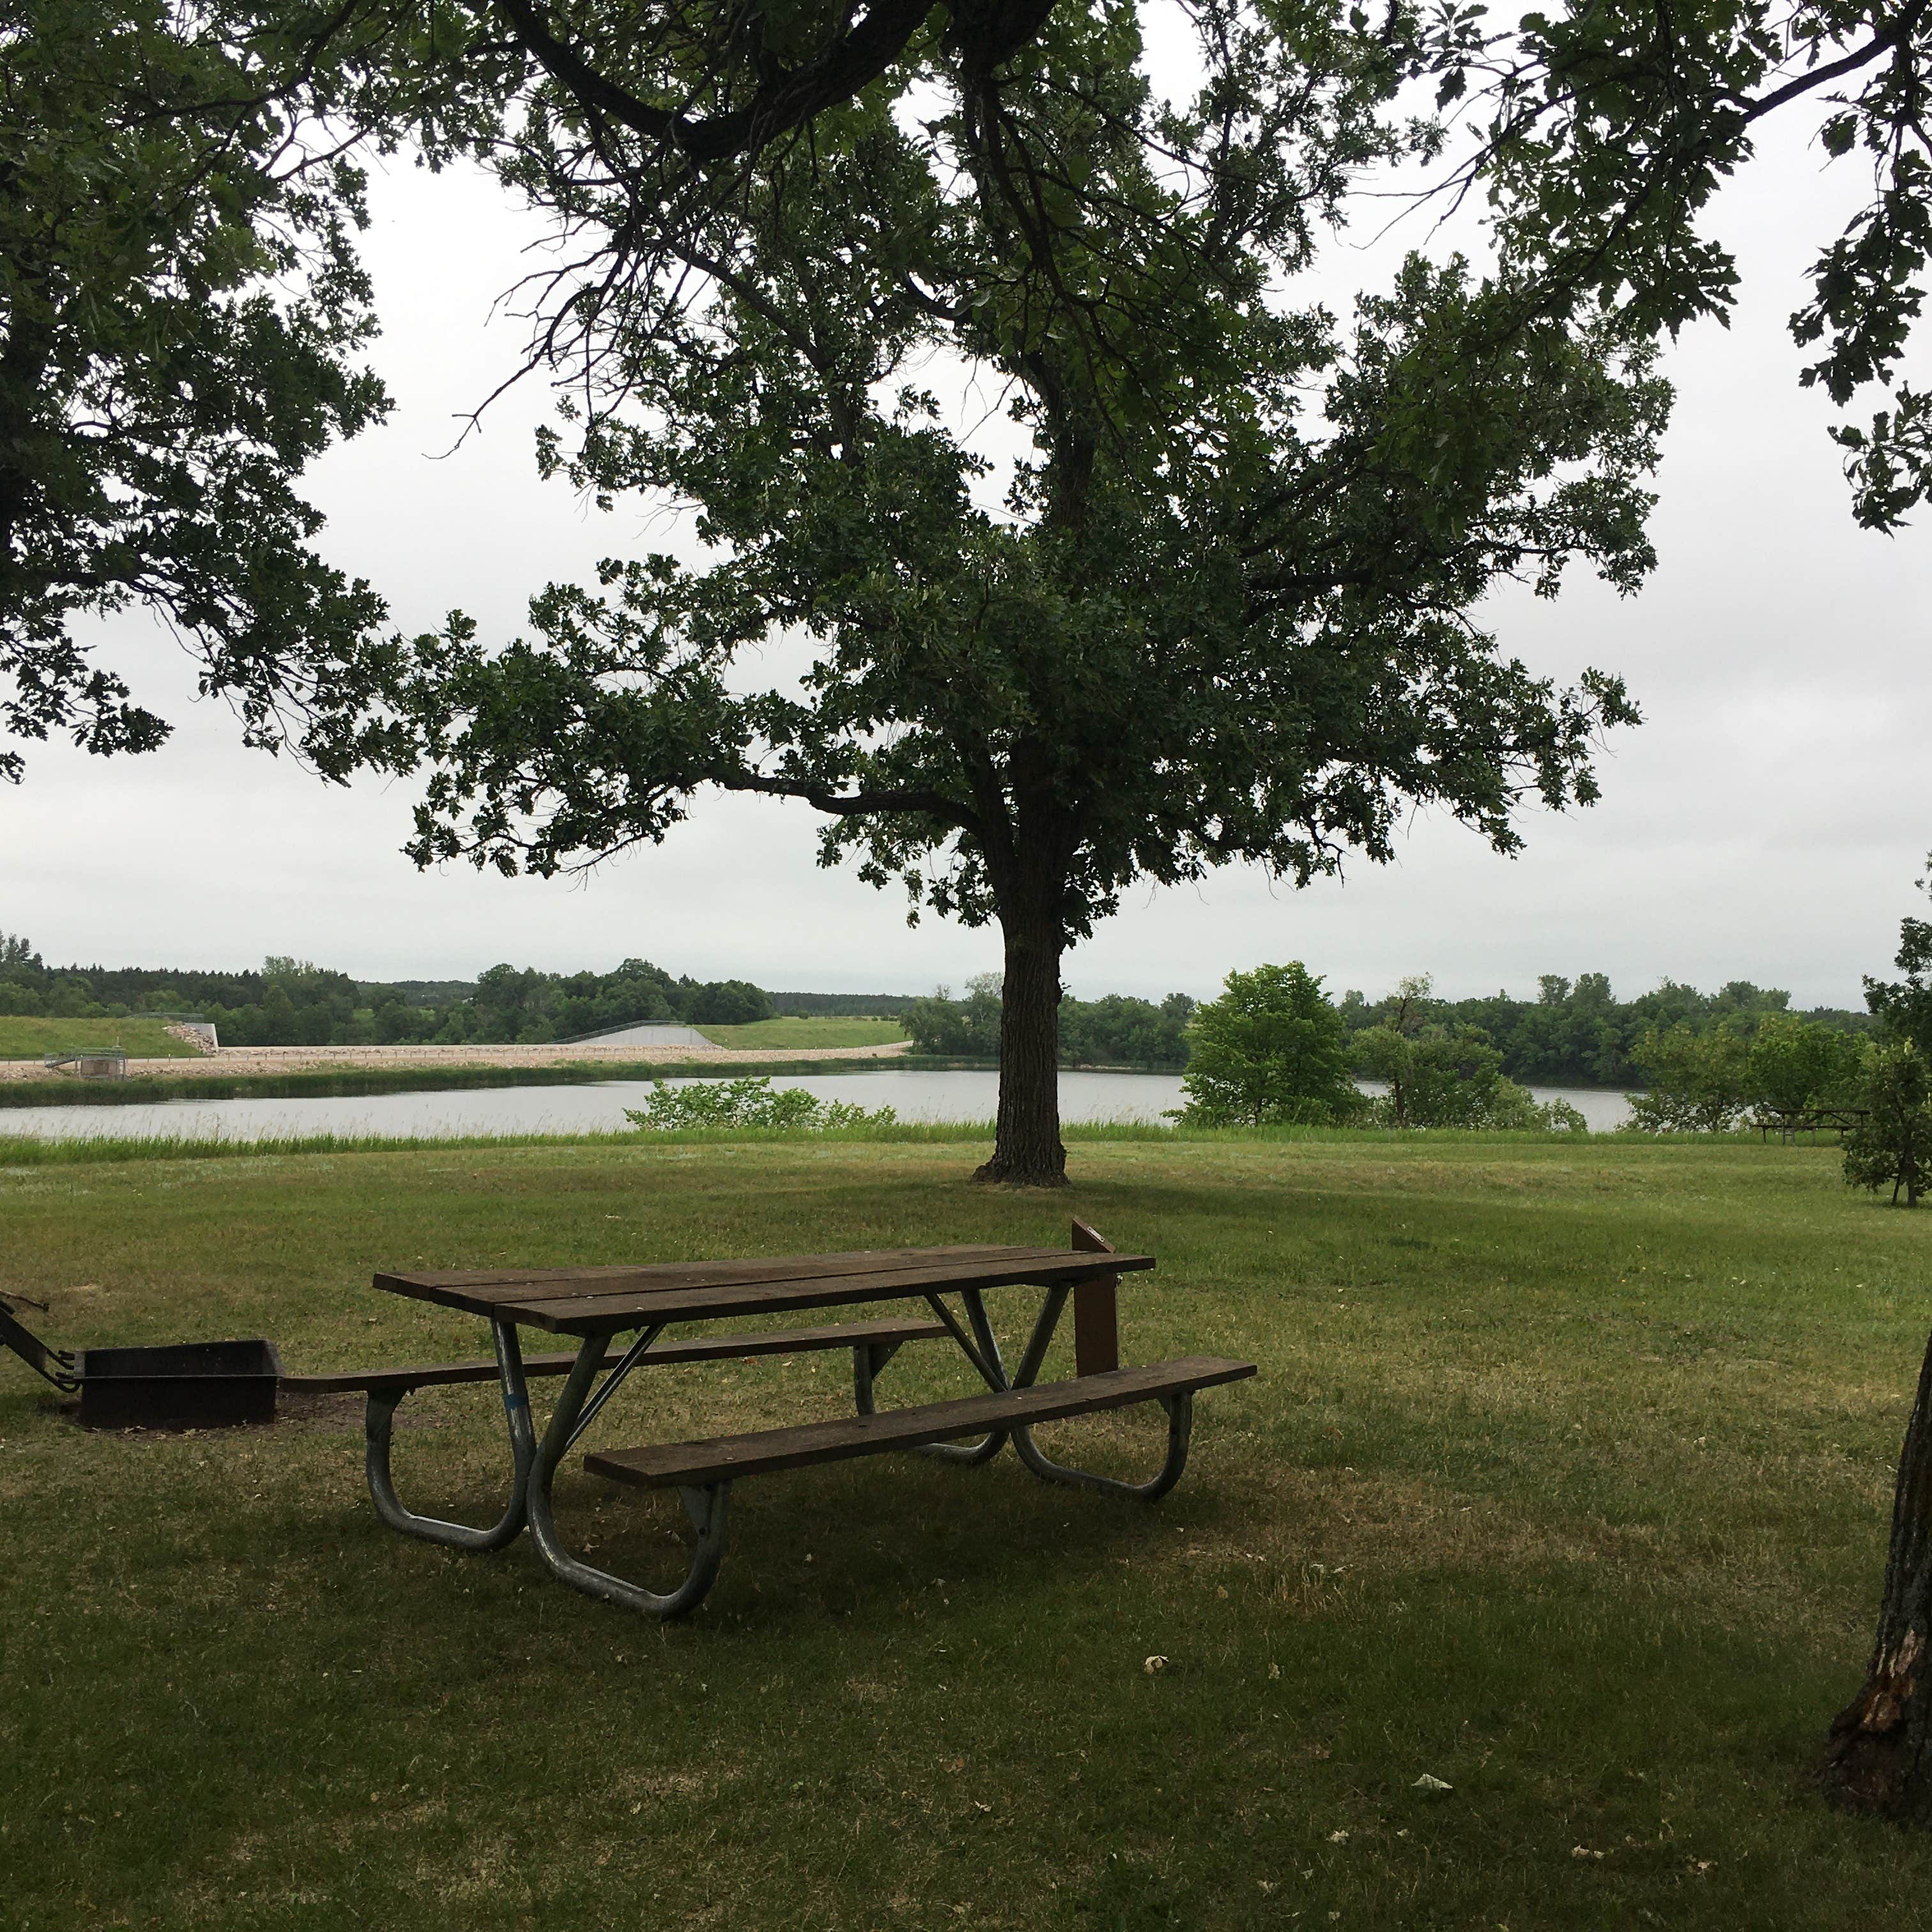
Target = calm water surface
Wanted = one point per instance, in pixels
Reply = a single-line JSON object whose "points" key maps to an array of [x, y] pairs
{"points": [[600, 1106]]}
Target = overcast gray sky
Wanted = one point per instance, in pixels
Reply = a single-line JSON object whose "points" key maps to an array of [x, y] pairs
{"points": [[1767, 821]]}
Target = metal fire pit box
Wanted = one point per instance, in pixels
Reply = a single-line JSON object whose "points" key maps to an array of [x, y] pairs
{"points": [[184, 1385]]}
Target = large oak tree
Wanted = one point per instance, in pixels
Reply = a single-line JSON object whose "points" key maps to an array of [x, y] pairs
{"points": [[1214, 602]]}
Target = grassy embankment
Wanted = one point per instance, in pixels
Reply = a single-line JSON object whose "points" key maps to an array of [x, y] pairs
{"points": [[1565, 1480], [806, 1032], [22, 1037]]}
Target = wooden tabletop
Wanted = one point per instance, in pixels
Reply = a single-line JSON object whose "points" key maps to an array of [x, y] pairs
{"points": [[602, 1300]]}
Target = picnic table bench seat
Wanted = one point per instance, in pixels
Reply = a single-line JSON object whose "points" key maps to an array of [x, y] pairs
{"points": [[871, 1337], [722, 1458]]}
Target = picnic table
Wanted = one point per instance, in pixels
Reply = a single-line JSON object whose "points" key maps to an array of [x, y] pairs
{"points": [[596, 1305]]}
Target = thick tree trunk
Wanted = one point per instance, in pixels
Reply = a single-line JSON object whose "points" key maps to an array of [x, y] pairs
{"points": [[1027, 1152], [1878, 1755]]}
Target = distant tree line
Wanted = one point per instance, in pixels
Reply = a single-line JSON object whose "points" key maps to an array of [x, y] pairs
{"points": [[1572, 1033], [1578, 1033], [842, 1006], [1116, 1031], [292, 1003]]}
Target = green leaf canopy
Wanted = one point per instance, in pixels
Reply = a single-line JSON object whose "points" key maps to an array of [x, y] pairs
{"points": [[182, 313]]}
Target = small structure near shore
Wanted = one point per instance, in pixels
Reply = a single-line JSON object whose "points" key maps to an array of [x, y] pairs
{"points": [[108, 1063]]}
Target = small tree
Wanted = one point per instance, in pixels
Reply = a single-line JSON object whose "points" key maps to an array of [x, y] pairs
{"points": [[1795, 1064], [1904, 1006], [1893, 1145], [1271, 1049], [1438, 1074], [1699, 1082], [968, 1029], [1440, 1077]]}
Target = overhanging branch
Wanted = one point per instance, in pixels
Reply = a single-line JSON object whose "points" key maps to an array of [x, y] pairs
{"points": [[856, 804], [785, 99]]}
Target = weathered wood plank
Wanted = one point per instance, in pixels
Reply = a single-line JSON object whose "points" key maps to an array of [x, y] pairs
{"points": [[685, 1348], [722, 1458], [691, 1273], [591, 1314]]}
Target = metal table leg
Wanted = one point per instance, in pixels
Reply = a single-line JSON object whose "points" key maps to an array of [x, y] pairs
{"points": [[380, 1416], [705, 1506], [982, 1349], [1179, 1407]]}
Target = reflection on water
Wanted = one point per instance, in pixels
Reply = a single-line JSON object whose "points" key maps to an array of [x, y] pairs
{"points": [[600, 1107]]}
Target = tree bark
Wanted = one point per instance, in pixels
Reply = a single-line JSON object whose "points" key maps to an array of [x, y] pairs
{"points": [[1027, 1149], [1878, 1754]]}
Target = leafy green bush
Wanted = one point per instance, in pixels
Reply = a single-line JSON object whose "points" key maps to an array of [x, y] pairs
{"points": [[751, 1103], [1796, 1063], [1557, 1116], [1705, 1082], [1270, 1051], [1892, 1146], [1699, 1082], [1444, 1076], [968, 1029]]}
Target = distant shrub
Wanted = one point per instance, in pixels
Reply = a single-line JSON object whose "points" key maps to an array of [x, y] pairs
{"points": [[1699, 1082], [1558, 1116], [1892, 1146], [1270, 1051], [1707, 1082], [1439, 1074], [728, 1003], [968, 1029], [746, 1103]]}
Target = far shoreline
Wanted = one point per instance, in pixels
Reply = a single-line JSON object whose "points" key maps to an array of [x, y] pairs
{"points": [[347, 1072], [238, 1073]]}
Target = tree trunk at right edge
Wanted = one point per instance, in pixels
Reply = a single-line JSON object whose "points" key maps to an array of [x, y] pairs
{"points": [[1878, 1754], [1027, 1151]]}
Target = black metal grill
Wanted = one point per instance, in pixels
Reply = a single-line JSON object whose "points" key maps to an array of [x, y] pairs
{"points": [[177, 1385]]}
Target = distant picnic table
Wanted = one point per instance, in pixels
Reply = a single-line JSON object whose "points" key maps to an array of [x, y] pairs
{"points": [[598, 1305], [1788, 1123]]}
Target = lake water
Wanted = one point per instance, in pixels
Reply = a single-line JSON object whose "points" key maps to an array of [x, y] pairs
{"points": [[598, 1106]]}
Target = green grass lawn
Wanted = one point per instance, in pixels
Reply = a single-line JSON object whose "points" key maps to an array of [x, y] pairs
{"points": [[1565, 1479], [828, 1030], [24, 1038]]}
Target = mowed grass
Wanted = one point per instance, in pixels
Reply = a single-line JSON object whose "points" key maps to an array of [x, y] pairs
{"points": [[1565, 1480], [831, 1030], [23, 1037]]}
